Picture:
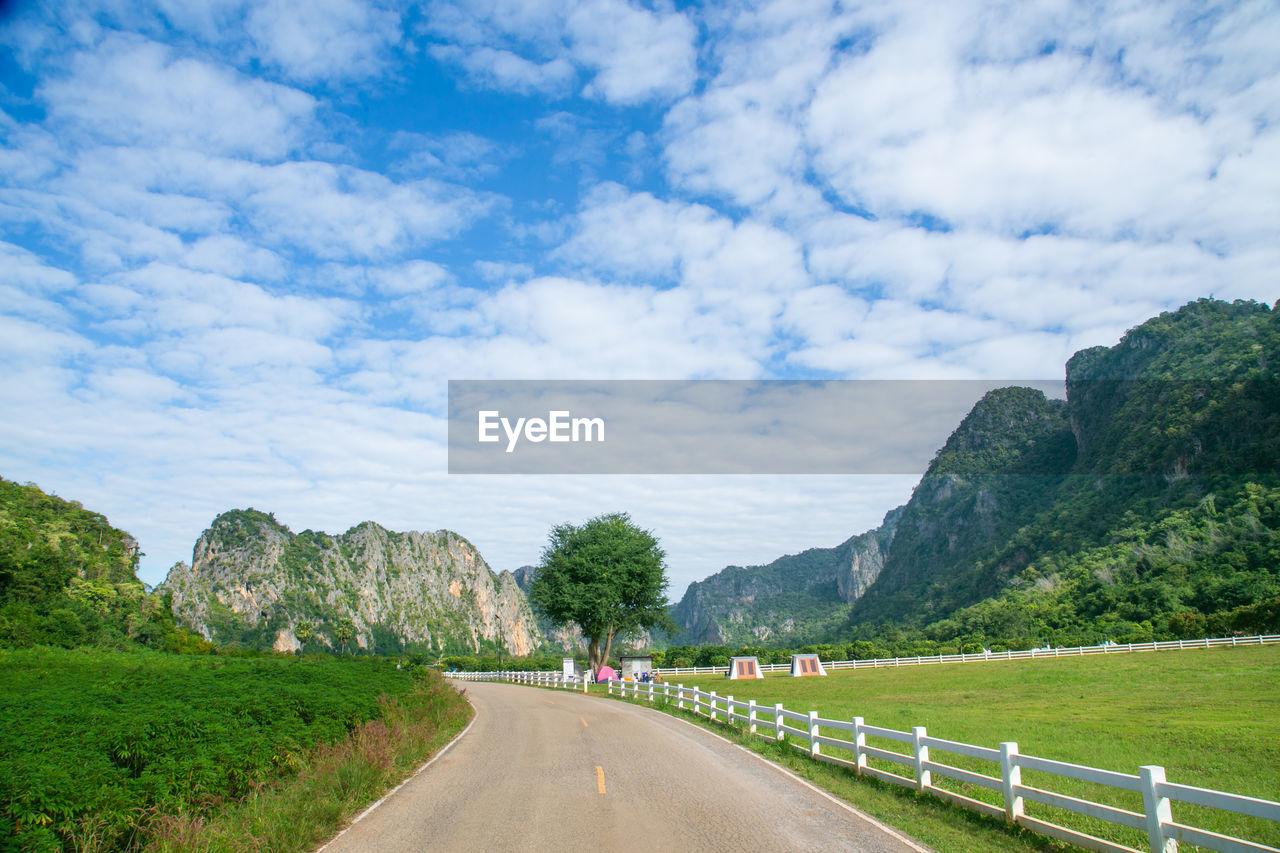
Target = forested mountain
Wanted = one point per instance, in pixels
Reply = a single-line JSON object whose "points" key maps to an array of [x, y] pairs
{"points": [[1168, 523], [253, 582], [793, 598], [67, 577], [1145, 505]]}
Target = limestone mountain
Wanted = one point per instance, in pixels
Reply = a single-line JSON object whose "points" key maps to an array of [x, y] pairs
{"points": [[1000, 467], [791, 599], [1155, 512], [254, 582], [1146, 505]]}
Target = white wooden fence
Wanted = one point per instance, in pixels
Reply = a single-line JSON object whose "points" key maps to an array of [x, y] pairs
{"points": [[974, 657], [916, 763]]}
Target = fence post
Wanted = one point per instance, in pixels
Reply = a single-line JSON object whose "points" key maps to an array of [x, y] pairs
{"points": [[1011, 777], [859, 742], [728, 709], [815, 748], [921, 754], [713, 706], [1156, 808], [751, 716], [650, 692], [779, 734], [680, 696]]}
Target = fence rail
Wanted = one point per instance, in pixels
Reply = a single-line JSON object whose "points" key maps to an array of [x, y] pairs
{"points": [[917, 766], [975, 657]]}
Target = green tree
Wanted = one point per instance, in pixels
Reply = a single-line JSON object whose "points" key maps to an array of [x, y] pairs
{"points": [[606, 576], [304, 631], [343, 632]]}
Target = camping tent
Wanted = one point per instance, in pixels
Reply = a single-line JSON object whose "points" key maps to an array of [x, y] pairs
{"points": [[606, 673]]}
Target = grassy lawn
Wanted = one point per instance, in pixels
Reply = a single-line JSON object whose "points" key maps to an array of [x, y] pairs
{"points": [[1208, 716]]}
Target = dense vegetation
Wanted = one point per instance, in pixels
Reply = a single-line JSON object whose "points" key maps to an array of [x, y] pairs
{"points": [[67, 578], [113, 745], [1166, 525], [1145, 507]]}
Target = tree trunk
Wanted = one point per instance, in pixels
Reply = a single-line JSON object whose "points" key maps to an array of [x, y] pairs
{"points": [[608, 643], [593, 655]]}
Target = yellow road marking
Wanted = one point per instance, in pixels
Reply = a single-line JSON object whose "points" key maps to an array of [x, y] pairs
{"points": [[599, 779], [584, 722]]}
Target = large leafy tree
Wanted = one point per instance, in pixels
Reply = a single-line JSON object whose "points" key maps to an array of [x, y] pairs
{"points": [[606, 576]]}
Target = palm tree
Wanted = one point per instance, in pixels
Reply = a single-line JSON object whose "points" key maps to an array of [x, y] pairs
{"points": [[344, 631], [304, 631]]}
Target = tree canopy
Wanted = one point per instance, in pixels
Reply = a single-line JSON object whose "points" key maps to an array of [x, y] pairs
{"points": [[607, 576]]}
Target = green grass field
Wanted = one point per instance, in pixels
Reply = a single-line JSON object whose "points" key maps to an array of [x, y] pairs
{"points": [[1210, 717]]}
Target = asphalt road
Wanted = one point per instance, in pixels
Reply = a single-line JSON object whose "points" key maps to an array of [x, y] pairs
{"points": [[543, 770]]}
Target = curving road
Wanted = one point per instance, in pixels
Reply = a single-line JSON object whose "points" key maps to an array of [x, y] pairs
{"points": [[543, 770]]}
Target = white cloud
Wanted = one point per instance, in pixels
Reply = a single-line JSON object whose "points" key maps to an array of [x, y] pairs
{"points": [[25, 269], [413, 277], [502, 69], [233, 257], [639, 55], [131, 91], [313, 207], [998, 149], [337, 211], [634, 54], [741, 138], [192, 303], [324, 39]]}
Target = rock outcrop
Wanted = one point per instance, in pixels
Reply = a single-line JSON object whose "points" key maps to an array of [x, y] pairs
{"points": [[254, 582], [793, 597]]}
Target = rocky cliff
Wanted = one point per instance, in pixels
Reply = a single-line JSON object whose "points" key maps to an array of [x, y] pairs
{"points": [[788, 600], [254, 582], [996, 472], [564, 637]]}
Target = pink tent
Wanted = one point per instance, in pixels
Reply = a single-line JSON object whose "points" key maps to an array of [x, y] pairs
{"points": [[606, 673]]}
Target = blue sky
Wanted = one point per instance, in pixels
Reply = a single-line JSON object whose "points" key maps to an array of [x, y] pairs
{"points": [[245, 245]]}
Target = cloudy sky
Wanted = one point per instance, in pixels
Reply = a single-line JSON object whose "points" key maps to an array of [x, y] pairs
{"points": [[245, 245]]}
